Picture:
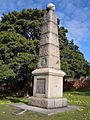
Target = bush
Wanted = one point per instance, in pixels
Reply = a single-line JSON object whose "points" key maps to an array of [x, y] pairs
{"points": [[81, 84], [19, 88], [77, 85]]}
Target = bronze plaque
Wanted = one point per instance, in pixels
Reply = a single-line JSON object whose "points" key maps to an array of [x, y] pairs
{"points": [[40, 86]]}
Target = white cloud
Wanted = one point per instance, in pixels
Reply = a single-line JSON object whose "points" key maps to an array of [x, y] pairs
{"points": [[77, 30], [76, 17], [0, 17]]}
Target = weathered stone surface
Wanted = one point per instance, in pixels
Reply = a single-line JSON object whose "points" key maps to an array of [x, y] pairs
{"points": [[49, 38], [48, 50], [48, 103], [49, 27], [48, 112], [53, 82], [40, 86], [51, 62], [50, 17], [49, 55], [48, 71]]}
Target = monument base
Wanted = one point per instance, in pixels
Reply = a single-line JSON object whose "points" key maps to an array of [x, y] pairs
{"points": [[48, 103]]}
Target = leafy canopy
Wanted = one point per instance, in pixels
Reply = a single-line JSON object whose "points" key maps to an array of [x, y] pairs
{"points": [[19, 45]]}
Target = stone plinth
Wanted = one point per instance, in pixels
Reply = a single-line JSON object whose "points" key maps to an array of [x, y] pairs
{"points": [[52, 85], [48, 103], [48, 88]]}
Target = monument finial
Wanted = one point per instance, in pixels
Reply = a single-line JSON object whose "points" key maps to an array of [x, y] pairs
{"points": [[51, 6]]}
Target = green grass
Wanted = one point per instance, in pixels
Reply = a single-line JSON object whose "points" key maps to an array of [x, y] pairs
{"points": [[81, 99]]}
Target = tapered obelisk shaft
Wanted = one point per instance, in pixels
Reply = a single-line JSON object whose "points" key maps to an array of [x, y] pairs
{"points": [[49, 54]]}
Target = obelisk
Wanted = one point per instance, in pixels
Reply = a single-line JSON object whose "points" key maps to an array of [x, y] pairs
{"points": [[48, 77]]}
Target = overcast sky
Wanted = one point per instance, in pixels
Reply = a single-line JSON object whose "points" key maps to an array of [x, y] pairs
{"points": [[74, 15]]}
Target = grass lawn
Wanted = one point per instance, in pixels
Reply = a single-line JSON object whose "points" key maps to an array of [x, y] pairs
{"points": [[81, 99]]}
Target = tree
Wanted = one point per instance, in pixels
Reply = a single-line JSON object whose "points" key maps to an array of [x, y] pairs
{"points": [[72, 60], [18, 55], [27, 22], [6, 72], [19, 44], [63, 41]]}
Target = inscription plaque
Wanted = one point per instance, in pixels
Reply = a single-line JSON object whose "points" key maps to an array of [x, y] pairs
{"points": [[40, 86]]}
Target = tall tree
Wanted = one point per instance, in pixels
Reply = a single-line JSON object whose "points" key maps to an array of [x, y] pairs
{"points": [[27, 22], [18, 56], [19, 44], [72, 60]]}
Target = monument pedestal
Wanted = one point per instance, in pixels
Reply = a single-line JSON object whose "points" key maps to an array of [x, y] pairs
{"points": [[48, 89], [48, 103]]}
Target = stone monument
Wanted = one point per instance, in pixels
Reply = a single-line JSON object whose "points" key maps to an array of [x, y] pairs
{"points": [[48, 77]]}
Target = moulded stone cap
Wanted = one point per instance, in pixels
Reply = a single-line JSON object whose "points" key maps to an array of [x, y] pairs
{"points": [[51, 6], [48, 71]]}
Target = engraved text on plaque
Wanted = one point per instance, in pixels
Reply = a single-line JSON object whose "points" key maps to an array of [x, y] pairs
{"points": [[40, 86]]}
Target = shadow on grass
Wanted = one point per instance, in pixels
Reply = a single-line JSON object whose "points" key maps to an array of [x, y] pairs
{"points": [[4, 94], [85, 92], [10, 96], [82, 93]]}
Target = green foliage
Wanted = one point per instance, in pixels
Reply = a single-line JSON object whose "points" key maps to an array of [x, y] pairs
{"points": [[27, 22], [19, 35], [17, 53], [73, 63], [62, 38], [72, 60], [6, 72]]}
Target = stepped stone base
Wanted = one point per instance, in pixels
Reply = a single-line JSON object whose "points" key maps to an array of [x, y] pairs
{"points": [[48, 103]]}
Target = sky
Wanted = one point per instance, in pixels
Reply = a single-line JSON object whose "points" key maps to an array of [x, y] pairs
{"points": [[74, 15]]}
